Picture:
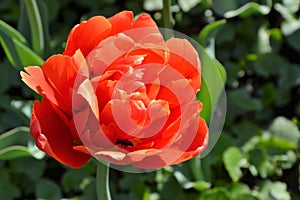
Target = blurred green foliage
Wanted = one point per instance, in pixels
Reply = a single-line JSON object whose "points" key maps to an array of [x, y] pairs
{"points": [[257, 155]]}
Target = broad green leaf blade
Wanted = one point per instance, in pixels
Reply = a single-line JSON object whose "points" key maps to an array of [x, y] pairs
{"points": [[19, 136], [212, 96], [13, 33], [273, 190], [14, 152], [233, 160], [36, 26], [47, 189], [18, 54], [208, 34], [8, 190], [260, 164], [285, 129], [213, 80], [18, 143], [24, 26]]}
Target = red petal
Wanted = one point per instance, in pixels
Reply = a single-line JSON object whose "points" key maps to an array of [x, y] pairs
{"points": [[144, 20], [121, 21], [198, 145], [87, 35], [185, 60], [53, 136], [37, 81]]}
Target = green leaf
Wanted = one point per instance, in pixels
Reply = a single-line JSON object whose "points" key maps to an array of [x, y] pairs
{"points": [[28, 165], [36, 26], [15, 136], [208, 34], [285, 129], [292, 5], [289, 76], [213, 77], [24, 24], [215, 194], [13, 33], [187, 184], [71, 179], [14, 152], [14, 45], [276, 145], [273, 190], [153, 5], [259, 163], [18, 54], [241, 101], [241, 191], [47, 189], [188, 5], [212, 96], [18, 143], [235, 8], [7, 189], [294, 40], [233, 160]]}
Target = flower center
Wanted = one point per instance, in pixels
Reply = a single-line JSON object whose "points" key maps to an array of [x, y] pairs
{"points": [[124, 142]]}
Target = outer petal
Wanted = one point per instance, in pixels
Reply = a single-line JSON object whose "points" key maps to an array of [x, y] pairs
{"points": [[198, 145], [144, 20], [53, 136], [121, 21], [87, 35], [37, 81], [185, 60]]}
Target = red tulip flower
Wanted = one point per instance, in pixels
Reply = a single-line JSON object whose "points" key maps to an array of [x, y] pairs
{"points": [[121, 93]]}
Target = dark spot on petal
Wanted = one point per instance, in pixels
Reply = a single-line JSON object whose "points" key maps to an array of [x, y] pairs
{"points": [[125, 143]]}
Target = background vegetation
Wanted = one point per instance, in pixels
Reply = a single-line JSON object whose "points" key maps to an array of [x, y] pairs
{"points": [[257, 155]]}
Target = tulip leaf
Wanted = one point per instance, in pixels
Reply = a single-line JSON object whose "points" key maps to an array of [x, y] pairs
{"points": [[18, 143], [208, 34], [36, 26], [212, 96], [26, 25], [13, 33], [14, 45], [14, 152]]}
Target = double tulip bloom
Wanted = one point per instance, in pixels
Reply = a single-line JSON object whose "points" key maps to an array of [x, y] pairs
{"points": [[120, 93]]}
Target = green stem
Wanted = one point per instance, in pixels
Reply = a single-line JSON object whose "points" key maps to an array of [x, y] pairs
{"points": [[167, 14], [167, 17], [197, 169], [103, 192]]}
